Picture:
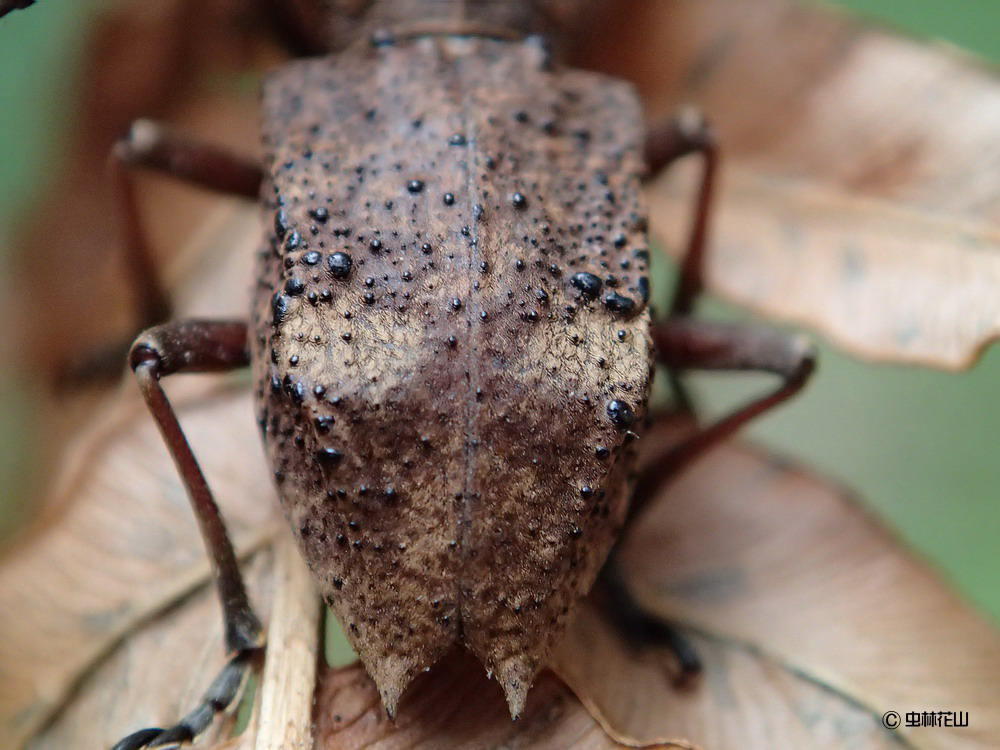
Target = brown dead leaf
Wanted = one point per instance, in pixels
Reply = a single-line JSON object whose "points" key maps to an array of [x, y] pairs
{"points": [[158, 673], [813, 621], [120, 546], [881, 280], [744, 699], [859, 192], [164, 666]]}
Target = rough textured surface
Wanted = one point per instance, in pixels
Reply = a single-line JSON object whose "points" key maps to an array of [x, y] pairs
{"points": [[451, 341]]}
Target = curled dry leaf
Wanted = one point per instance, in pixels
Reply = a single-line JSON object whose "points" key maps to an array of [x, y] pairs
{"points": [[119, 545], [162, 669], [882, 281], [158, 673], [812, 619], [859, 192]]}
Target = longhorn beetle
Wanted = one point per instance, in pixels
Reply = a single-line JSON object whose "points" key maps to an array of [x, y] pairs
{"points": [[450, 339]]}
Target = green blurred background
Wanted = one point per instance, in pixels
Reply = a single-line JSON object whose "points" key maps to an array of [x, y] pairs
{"points": [[919, 446]]}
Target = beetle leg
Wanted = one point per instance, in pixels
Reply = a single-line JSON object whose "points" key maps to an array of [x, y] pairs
{"points": [[682, 344], [185, 347], [686, 344], [220, 694], [688, 133], [151, 146], [642, 629]]}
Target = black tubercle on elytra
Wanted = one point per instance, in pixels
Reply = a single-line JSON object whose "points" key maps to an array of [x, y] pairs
{"points": [[339, 265], [618, 304], [280, 223], [588, 284], [620, 414], [279, 307]]}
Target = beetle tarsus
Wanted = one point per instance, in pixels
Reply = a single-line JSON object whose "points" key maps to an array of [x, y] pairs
{"points": [[222, 692], [138, 740]]}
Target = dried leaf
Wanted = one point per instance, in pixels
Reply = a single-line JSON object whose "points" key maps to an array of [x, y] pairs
{"points": [[162, 60], [860, 189], [745, 699], [882, 281], [813, 621], [158, 673], [120, 546], [452, 706]]}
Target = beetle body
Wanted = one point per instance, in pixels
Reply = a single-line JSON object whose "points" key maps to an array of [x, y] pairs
{"points": [[450, 341]]}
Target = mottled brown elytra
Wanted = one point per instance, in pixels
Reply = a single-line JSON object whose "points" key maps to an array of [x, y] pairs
{"points": [[450, 339]]}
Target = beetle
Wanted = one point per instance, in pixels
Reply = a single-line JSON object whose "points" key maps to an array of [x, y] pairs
{"points": [[450, 336]]}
